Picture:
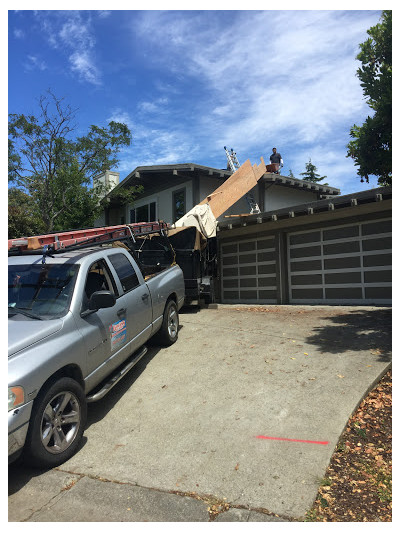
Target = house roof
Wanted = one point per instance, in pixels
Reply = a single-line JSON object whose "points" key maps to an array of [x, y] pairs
{"points": [[183, 170], [295, 183], [310, 208], [137, 175]]}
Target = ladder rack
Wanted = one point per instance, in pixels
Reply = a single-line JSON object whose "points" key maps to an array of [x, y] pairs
{"points": [[59, 241]]}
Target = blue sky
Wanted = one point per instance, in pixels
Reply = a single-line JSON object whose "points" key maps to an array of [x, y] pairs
{"points": [[187, 83]]}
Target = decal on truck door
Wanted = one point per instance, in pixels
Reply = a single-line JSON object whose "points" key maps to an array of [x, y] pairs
{"points": [[118, 334]]}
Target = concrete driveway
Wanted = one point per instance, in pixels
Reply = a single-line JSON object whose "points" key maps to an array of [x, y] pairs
{"points": [[235, 422]]}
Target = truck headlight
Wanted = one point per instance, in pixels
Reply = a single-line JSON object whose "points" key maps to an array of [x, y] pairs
{"points": [[16, 397]]}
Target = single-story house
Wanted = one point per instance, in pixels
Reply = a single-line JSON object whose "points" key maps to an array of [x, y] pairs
{"points": [[170, 191], [309, 244]]}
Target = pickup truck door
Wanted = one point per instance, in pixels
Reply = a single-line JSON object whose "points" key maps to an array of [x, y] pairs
{"points": [[104, 331], [139, 311]]}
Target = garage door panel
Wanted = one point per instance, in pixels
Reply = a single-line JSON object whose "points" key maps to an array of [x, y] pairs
{"points": [[340, 233], [307, 279], [341, 248], [266, 256], [308, 295], [247, 246], [267, 269], [382, 259], [383, 226], [378, 292], [298, 266], [383, 243], [230, 283], [248, 271], [350, 263], [309, 251], [230, 260], [344, 293], [380, 276], [229, 248], [267, 295], [342, 262], [248, 282], [230, 272], [267, 282], [343, 277], [303, 238]]}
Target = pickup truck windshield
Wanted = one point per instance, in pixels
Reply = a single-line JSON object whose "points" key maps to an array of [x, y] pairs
{"points": [[40, 290]]}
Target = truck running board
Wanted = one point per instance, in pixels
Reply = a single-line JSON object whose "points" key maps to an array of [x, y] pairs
{"points": [[107, 386]]}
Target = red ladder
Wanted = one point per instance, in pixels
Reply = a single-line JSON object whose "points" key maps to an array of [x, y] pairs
{"points": [[67, 238]]}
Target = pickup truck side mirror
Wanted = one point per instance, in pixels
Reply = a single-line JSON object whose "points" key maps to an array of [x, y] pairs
{"points": [[101, 299]]}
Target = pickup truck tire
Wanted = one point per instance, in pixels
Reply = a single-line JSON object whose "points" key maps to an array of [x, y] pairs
{"points": [[168, 333], [57, 424]]}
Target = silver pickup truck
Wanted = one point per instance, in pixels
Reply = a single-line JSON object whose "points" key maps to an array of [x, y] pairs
{"points": [[78, 322]]}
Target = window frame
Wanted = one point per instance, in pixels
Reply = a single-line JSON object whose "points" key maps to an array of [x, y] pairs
{"points": [[176, 217], [109, 257], [109, 279], [148, 205]]}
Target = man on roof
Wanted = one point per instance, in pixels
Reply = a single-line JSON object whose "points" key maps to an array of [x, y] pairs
{"points": [[276, 157]]}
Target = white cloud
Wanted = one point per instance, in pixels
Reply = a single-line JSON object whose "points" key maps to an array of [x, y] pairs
{"points": [[265, 77], [103, 14], [154, 145], [76, 33], [72, 32], [18, 33], [34, 63], [82, 64], [154, 106]]}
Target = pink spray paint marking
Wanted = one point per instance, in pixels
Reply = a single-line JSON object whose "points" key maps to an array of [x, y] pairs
{"points": [[324, 442]]}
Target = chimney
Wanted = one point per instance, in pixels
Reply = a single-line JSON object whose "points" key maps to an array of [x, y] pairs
{"points": [[108, 178]]}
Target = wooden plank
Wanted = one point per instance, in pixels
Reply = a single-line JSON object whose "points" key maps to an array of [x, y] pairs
{"points": [[236, 186]]}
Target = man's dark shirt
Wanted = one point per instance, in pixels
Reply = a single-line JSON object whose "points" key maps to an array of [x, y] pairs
{"points": [[275, 158]]}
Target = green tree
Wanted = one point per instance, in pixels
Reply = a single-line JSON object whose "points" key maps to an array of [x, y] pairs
{"points": [[371, 147], [311, 174], [23, 215], [56, 169]]}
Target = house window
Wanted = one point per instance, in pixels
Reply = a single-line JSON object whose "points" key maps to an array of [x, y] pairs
{"points": [[178, 204], [144, 213]]}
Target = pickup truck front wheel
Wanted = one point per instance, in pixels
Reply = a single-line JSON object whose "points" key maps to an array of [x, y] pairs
{"points": [[168, 334], [57, 424]]}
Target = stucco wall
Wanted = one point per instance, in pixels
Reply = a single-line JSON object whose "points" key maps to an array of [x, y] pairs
{"points": [[277, 196], [163, 199]]}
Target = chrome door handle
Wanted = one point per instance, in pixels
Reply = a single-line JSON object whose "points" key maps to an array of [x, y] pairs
{"points": [[121, 312]]}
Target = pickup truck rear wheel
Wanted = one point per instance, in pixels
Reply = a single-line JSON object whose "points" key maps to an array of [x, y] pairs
{"points": [[57, 424], [168, 334]]}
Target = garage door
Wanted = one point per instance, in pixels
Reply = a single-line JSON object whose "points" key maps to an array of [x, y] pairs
{"points": [[248, 271], [344, 264]]}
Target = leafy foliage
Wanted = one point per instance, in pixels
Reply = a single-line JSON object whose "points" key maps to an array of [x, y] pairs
{"points": [[371, 147], [55, 169], [311, 173], [358, 483], [23, 215]]}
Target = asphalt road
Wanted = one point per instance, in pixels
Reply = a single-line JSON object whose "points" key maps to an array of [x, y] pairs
{"points": [[235, 422]]}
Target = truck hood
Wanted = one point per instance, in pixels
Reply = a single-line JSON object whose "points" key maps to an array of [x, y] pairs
{"points": [[23, 332]]}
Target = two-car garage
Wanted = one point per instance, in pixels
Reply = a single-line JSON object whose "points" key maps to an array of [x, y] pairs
{"points": [[334, 251]]}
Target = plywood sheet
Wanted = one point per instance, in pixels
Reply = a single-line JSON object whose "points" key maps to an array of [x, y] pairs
{"points": [[239, 184]]}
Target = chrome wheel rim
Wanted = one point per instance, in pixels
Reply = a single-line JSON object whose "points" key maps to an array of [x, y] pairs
{"points": [[60, 422], [172, 322]]}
